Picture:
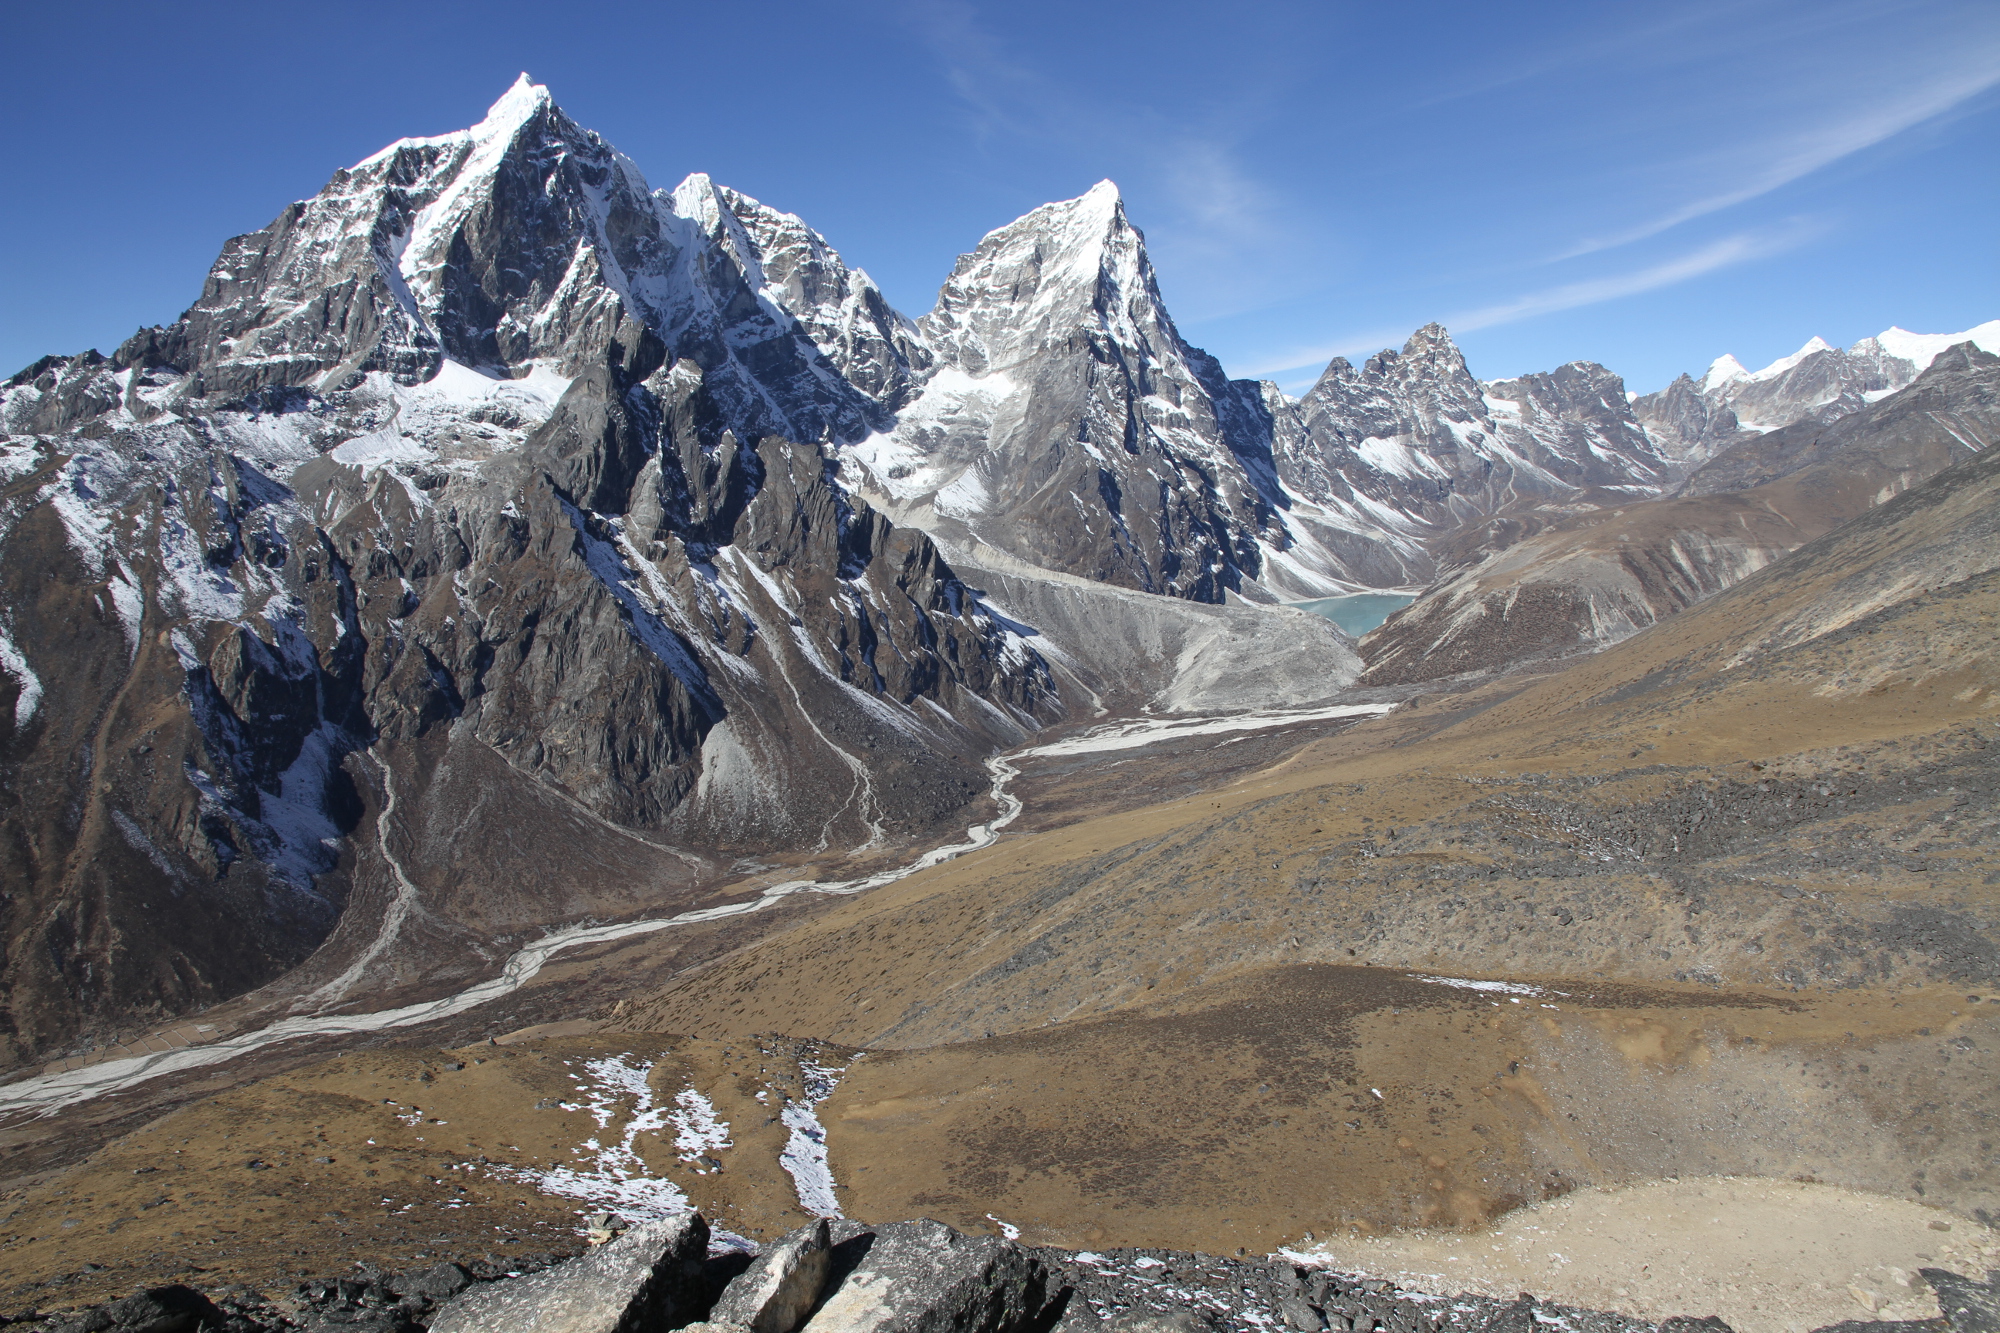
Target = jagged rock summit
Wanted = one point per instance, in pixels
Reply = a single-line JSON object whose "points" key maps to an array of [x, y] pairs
{"points": [[1065, 421]]}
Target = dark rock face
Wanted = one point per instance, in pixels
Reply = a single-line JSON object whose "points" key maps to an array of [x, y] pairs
{"points": [[1064, 420], [484, 483], [1917, 427], [1413, 449], [1173, 1291], [175, 1309], [1693, 420], [1968, 1305]]}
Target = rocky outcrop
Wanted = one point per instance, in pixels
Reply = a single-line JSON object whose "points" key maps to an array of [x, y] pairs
{"points": [[1065, 421], [782, 1285], [649, 1278], [919, 1275]]}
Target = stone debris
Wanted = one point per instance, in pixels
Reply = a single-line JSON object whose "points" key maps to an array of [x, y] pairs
{"points": [[924, 1277], [1968, 1306]]}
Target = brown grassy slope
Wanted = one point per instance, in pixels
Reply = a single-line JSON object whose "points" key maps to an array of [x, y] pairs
{"points": [[1748, 857], [1696, 771], [397, 1158], [1783, 797]]}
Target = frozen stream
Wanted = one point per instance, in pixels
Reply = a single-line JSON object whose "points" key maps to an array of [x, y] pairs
{"points": [[49, 1093]]}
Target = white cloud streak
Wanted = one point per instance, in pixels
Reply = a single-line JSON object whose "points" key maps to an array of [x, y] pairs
{"points": [[1790, 158]]}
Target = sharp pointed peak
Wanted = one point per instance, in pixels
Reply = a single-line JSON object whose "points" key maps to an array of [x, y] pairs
{"points": [[1432, 339], [1101, 202], [515, 106], [1722, 370], [696, 191]]}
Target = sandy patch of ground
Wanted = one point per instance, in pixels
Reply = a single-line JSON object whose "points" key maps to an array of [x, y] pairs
{"points": [[1768, 1256]]}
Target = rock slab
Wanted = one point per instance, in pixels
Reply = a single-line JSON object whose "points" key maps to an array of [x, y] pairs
{"points": [[648, 1278], [778, 1291], [924, 1277]]}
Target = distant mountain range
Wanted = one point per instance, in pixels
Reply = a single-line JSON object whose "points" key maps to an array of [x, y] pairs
{"points": [[498, 541]]}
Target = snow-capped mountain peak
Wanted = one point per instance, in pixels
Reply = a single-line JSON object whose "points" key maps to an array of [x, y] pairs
{"points": [[1785, 363], [1691, 422], [1722, 370], [1920, 349], [502, 121]]}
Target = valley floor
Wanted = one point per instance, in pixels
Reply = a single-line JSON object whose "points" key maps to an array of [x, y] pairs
{"points": [[1560, 965]]}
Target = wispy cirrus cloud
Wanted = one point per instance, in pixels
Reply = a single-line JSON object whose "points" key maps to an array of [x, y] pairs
{"points": [[1730, 250], [1759, 168]]}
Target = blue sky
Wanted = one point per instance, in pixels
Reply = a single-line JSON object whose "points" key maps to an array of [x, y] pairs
{"points": [[1645, 186]]}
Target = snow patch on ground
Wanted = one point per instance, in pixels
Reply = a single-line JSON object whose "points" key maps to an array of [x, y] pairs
{"points": [[698, 1129], [1149, 731], [612, 1174], [1492, 987], [804, 1155]]}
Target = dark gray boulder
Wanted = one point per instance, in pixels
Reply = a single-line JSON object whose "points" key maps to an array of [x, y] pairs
{"points": [[924, 1277], [174, 1309], [438, 1283], [1140, 1320], [1968, 1305], [1513, 1317], [648, 1278]]}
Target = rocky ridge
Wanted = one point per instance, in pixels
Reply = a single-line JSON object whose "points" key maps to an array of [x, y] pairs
{"points": [[1592, 578], [1693, 420], [492, 484]]}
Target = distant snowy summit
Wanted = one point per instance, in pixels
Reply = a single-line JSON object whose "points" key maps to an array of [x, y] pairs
{"points": [[1692, 420]]}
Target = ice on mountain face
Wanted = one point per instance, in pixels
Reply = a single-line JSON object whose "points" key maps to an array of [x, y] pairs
{"points": [[1819, 382], [459, 417]]}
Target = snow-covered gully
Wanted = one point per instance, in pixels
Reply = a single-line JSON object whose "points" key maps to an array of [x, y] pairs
{"points": [[48, 1093]]}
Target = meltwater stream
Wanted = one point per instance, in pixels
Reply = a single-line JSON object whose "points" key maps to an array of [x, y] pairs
{"points": [[48, 1093]]}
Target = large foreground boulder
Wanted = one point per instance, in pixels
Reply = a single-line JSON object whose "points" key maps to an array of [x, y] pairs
{"points": [[924, 1277], [649, 1278], [778, 1291]]}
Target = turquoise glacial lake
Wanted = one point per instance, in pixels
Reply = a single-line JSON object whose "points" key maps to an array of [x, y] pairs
{"points": [[1357, 613]]}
